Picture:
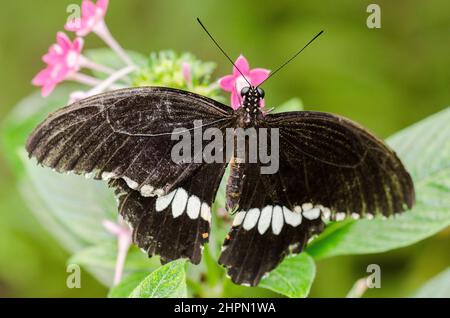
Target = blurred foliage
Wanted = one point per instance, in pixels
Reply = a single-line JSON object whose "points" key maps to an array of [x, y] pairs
{"points": [[437, 287], [385, 79]]}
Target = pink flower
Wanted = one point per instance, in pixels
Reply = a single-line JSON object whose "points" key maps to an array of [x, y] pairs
{"points": [[63, 60], [235, 82], [91, 15], [187, 73], [92, 20]]}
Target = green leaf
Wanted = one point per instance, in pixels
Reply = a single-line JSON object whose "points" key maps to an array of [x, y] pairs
{"points": [[74, 205], [168, 281], [437, 287], [293, 277], [127, 285], [425, 150], [292, 105]]}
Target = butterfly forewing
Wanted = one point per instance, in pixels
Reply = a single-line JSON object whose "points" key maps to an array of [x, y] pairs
{"points": [[125, 134], [340, 165]]}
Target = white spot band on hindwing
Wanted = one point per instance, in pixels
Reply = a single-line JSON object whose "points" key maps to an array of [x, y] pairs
{"points": [[180, 201], [205, 212], [106, 175], [277, 219], [147, 191], [292, 218], [239, 217], [276, 216], [131, 183], [312, 214], [251, 218], [193, 207], [265, 219], [163, 202], [269, 216]]}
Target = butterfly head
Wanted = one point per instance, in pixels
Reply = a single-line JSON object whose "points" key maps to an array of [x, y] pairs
{"points": [[252, 97]]}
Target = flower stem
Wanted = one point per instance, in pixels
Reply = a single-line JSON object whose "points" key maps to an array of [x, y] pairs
{"points": [[111, 80], [103, 32], [87, 63], [123, 243], [123, 233], [84, 79]]}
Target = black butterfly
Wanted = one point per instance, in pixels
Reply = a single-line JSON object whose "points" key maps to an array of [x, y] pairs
{"points": [[329, 168]]}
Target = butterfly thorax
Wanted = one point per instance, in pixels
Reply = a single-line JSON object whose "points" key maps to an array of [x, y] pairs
{"points": [[250, 110]]}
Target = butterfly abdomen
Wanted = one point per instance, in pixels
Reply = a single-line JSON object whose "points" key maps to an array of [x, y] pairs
{"points": [[246, 119], [235, 183]]}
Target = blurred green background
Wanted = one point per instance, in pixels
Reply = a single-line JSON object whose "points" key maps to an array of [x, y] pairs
{"points": [[386, 79]]}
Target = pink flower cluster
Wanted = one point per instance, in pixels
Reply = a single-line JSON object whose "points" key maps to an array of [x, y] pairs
{"points": [[64, 58], [91, 17]]}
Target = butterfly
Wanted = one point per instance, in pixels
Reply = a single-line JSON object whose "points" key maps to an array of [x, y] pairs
{"points": [[330, 168]]}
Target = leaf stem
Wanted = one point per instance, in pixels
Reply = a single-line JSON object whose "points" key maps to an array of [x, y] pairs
{"points": [[87, 63], [108, 82], [123, 243], [84, 79], [123, 233]]}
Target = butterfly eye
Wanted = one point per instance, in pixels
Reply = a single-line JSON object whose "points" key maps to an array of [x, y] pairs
{"points": [[244, 91], [261, 92]]}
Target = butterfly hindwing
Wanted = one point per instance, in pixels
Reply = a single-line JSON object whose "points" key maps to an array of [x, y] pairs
{"points": [[265, 229], [175, 225]]}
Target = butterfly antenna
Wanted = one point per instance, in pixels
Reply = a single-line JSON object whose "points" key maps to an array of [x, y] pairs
{"points": [[293, 57], [217, 44]]}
